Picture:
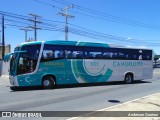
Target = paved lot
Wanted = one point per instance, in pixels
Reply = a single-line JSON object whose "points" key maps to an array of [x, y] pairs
{"points": [[145, 108], [80, 98]]}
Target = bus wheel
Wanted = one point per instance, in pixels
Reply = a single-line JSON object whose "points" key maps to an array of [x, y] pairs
{"points": [[128, 78], [48, 82]]}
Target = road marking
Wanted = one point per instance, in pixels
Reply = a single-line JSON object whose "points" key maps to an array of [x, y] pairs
{"points": [[128, 101], [113, 106]]}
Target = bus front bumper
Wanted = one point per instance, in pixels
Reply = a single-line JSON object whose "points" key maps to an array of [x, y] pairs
{"points": [[13, 80]]}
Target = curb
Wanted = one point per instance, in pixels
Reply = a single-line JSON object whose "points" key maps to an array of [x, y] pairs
{"points": [[112, 109]]}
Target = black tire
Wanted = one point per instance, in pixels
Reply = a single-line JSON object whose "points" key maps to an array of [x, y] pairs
{"points": [[48, 82], [14, 88], [128, 79]]}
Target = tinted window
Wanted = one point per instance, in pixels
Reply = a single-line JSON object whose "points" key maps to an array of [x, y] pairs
{"points": [[74, 52], [51, 52], [27, 61]]}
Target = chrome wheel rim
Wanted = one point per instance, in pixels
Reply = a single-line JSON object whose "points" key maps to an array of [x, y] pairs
{"points": [[46, 82], [128, 79]]}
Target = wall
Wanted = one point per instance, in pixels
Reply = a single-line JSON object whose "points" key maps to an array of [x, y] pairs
{"points": [[7, 50], [4, 67], [0, 67]]}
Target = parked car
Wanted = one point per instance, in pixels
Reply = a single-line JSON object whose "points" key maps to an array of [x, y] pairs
{"points": [[156, 66]]}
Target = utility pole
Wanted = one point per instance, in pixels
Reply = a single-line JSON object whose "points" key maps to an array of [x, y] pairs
{"points": [[26, 31], [35, 24], [3, 42], [0, 38], [65, 14]]}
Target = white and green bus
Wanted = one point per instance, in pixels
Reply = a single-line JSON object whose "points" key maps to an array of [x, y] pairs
{"points": [[51, 63]]}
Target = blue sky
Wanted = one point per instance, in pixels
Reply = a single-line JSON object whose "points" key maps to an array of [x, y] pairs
{"points": [[144, 11]]}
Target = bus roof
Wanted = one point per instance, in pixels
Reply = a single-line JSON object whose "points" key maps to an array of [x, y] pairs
{"points": [[78, 43]]}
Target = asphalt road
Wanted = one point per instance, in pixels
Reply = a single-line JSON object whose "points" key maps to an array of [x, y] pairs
{"points": [[79, 98]]}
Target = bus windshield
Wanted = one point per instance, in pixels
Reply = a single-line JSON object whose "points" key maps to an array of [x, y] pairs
{"points": [[27, 61], [12, 58], [13, 62]]}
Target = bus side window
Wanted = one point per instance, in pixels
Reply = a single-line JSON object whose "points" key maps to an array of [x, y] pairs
{"points": [[98, 56], [134, 57], [114, 55], [79, 55], [145, 57], [90, 55], [107, 55], [48, 54], [140, 57], [126, 56], [69, 54], [59, 54], [122, 55]]}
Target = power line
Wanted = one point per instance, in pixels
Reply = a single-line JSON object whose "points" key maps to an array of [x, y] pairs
{"points": [[16, 21], [44, 3], [94, 36], [51, 26], [108, 17], [13, 15]]}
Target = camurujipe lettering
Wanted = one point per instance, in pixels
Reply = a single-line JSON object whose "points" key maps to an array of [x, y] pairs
{"points": [[55, 64], [127, 64]]}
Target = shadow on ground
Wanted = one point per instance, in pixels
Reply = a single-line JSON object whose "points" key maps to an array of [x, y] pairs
{"points": [[75, 85]]}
